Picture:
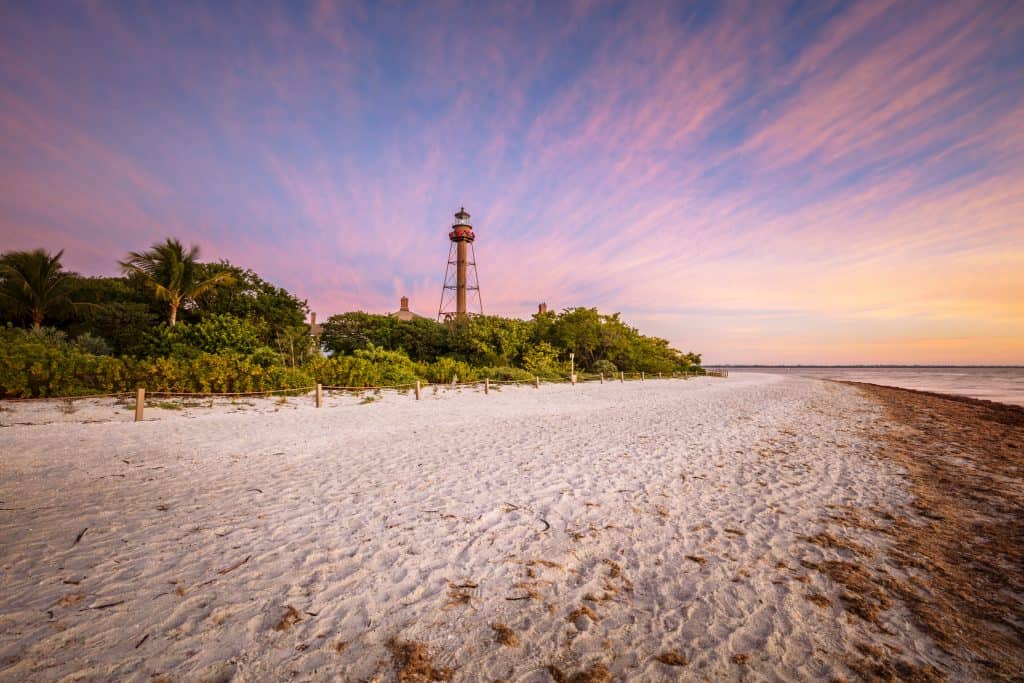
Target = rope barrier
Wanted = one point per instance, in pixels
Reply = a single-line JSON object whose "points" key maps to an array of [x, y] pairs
{"points": [[63, 398], [215, 394], [270, 392]]}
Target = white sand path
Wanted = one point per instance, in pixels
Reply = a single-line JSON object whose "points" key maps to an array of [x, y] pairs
{"points": [[364, 517]]}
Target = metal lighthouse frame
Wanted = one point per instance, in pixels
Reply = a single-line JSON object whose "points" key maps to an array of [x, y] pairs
{"points": [[460, 278]]}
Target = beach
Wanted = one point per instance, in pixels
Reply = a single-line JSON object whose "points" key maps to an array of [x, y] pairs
{"points": [[755, 527]]}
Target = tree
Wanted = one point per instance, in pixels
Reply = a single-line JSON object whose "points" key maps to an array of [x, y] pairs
{"points": [[172, 274], [33, 283], [274, 310]]}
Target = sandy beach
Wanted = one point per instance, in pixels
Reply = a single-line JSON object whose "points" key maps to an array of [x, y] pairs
{"points": [[758, 527]]}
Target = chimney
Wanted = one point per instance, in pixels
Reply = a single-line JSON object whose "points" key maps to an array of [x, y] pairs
{"points": [[312, 319], [405, 303], [542, 308]]}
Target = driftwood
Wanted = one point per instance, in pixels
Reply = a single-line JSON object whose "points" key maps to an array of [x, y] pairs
{"points": [[235, 566]]}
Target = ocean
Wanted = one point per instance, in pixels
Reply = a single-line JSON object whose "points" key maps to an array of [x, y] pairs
{"points": [[1003, 384]]}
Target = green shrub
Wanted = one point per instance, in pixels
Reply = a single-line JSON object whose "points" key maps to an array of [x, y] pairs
{"points": [[443, 370], [542, 360], [209, 373], [368, 367], [35, 365], [605, 367], [506, 374], [90, 343]]}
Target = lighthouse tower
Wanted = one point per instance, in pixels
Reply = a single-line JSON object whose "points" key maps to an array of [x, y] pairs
{"points": [[460, 295]]}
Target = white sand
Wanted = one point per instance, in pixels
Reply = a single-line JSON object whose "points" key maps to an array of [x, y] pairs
{"points": [[362, 517]]}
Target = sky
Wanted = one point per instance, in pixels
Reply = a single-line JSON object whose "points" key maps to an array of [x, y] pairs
{"points": [[763, 182]]}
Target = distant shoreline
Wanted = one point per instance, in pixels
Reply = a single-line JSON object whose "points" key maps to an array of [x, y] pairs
{"points": [[868, 367]]}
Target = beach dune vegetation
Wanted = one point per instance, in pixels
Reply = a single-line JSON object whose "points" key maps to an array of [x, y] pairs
{"points": [[175, 324]]}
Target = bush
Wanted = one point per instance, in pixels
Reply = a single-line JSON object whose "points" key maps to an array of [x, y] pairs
{"points": [[33, 365], [605, 367], [443, 370], [209, 373], [506, 374], [368, 367], [542, 360], [90, 343]]}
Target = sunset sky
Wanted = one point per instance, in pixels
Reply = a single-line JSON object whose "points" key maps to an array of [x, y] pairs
{"points": [[805, 182]]}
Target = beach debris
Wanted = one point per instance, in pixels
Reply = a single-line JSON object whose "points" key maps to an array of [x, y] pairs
{"points": [[582, 615], [144, 639], [866, 596], [459, 595], [254, 489], [741, 658], [220, 672], [235, 566], [827, 540], [818, 599], [107, 604], [413, 663], [504, 635], [162, 508], [544, 563], [546, 524], [614, 570], [290, 618], [598, 673], [79, 536], [672, 659], [71, 600], [529, 589], [734, 532], [698, 559], [340, 646]]}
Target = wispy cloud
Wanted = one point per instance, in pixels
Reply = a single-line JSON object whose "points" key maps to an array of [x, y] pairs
{"points": [[840, 184]]}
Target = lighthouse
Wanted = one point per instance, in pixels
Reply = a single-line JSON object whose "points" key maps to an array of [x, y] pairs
{"points": [[460, 294]]}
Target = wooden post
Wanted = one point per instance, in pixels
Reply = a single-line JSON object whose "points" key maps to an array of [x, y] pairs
{"points": [[659, 375], [140, 403], [602, 378], [455, 380], [622, 377], [319, 395], [487, 385], [573, 378], [536, 381], [641, 375], [417, 390]]}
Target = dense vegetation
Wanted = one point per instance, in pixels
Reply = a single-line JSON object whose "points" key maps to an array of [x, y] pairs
{"points": [[174, 324]]}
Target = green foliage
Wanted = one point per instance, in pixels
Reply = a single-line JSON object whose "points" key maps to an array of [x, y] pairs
{"points": [[506, 374], [542, 360], [173, 274], [443, 370], [349, 332], [34, 365], [209, 373], [218, 334], [271, 310], [33, 285], [369, 367], [90, 343], [241, 333]]}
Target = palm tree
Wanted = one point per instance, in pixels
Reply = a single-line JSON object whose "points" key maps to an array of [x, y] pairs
{"points": [[171, 272], [35, 283]]}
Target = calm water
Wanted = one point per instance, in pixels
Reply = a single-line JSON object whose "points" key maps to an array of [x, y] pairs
{"points": [[1005, 385]]}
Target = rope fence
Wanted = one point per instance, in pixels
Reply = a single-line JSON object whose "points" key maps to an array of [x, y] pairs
{"points": [[141, 393]]}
